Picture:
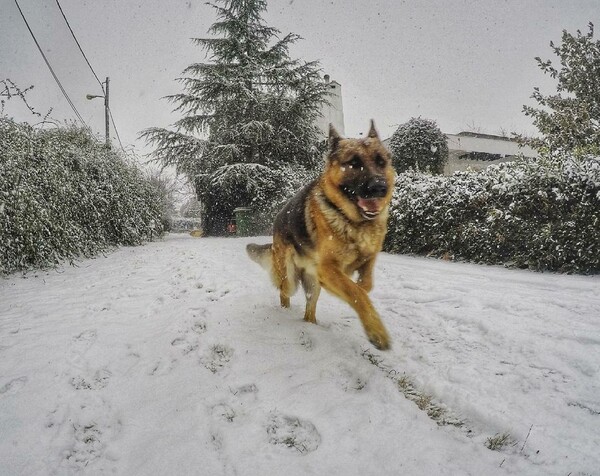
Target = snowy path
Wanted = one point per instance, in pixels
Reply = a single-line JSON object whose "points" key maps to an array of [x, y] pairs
{"points": [[174, 358]]}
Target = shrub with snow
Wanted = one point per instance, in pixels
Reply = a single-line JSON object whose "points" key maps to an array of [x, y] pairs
{"points": [[419, 144], [570, 118], [542, 214], [263, 189], [63, 195]]}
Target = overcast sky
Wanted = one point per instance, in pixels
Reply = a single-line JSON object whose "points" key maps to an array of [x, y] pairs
{"points": [[466, 64]]}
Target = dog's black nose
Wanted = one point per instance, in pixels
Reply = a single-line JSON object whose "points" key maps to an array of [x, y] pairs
{"points": [[376, 187]]}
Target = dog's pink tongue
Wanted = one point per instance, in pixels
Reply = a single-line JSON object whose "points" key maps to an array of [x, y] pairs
{"points": [[369, 204]]}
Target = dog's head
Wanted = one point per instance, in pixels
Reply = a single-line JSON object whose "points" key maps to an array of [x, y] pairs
{"points": [[359, 177]]}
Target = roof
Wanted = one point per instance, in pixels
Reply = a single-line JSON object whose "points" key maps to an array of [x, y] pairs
{"points": [[483, 136]]}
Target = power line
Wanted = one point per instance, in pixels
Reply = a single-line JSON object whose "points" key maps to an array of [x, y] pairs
{"points": [[116, 131], [79, 46], [92, 70], [50, 68]]}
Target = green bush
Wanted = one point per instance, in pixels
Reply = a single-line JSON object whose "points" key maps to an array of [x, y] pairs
{"points": [[263, 189], [419, 144], [63, 195], [542, 214]]}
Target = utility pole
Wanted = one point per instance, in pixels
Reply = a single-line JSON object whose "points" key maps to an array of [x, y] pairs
{"points": [[106, 110], [106, 115]]}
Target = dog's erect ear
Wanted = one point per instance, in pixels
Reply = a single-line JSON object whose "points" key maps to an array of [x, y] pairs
{"points": [[334, 138], [372, 131]]}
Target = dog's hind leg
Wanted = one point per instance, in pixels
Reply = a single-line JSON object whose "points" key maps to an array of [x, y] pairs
{"points": [[284, 272], [312, 289]]}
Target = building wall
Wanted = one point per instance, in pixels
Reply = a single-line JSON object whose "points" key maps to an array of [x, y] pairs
{"points": [[334, 112], [458, 142], [455, 164]]}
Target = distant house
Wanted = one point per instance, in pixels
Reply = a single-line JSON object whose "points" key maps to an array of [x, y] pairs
{"points": [[472, 150], [467, 150], [334, 111], [475, 151]]}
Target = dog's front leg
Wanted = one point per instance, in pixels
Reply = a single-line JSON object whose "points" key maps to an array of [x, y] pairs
{"points": [[336, 282], [365, 275]]}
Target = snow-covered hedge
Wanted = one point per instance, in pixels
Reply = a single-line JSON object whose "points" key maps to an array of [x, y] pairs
{"points": [[542, 214], [263, 189], [62, 195]]}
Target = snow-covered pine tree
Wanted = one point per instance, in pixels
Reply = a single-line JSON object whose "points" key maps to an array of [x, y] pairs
{"points": [[248, 115], [570, 119]]}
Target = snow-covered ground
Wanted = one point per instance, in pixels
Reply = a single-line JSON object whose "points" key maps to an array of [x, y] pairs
{"points": [[174, 359]]}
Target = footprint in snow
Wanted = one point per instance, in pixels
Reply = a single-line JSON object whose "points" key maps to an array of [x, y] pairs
{"points": [[212, 293], [184, 345], [224, 411], [162, 368], [81, 433], [306, 341], [217, 357], [98, 381], [88, 336], [81, 344], [90, 444], [188, 341], [248, 389], [199, 327], [13, 386], [293, 433], [349, 379]]}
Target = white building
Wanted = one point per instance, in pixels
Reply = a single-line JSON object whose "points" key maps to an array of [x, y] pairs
{"points": [[475, 151], [334, 111], [471, 150], [486, 143]]}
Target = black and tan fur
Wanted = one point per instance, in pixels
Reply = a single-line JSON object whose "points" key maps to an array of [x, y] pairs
{"points": [[334, 227]]}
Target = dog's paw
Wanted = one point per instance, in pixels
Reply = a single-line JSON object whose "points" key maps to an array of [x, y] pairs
{"points": [[285, 301], [379, 338]]}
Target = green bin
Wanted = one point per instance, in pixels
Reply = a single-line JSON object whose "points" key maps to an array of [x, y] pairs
{"points": [[243, 221]]}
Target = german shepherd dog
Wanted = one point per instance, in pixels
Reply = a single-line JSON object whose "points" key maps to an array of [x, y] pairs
{"points": [[334, 227]]}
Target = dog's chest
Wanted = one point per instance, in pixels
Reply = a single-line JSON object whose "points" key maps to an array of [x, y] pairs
{"points": [[359, 244], [351, 243]]}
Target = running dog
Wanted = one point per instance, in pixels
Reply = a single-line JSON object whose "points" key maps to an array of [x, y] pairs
{"points": [[333, 228]]}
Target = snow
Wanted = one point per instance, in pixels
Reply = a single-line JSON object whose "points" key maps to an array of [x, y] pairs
{"points": [[175, 358]]}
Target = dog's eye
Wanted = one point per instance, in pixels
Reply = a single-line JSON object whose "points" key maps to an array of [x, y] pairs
{"points": [[354, 162], [379, 161]]}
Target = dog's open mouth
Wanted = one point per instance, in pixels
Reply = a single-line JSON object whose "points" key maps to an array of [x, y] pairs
{"points": [[369, 208]]}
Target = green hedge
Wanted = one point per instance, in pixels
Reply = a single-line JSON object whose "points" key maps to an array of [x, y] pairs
{"points": [[542, 214], [63, 195]]}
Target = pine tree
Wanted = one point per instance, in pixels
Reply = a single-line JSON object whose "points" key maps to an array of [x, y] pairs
{"points": [[249, 114], [570, 119]]}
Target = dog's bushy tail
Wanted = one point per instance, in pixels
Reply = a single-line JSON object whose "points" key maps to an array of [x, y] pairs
{"points": [[262, 254]]}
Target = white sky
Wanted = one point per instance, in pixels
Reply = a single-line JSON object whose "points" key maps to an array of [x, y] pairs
{"points": [[462, 63]]}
